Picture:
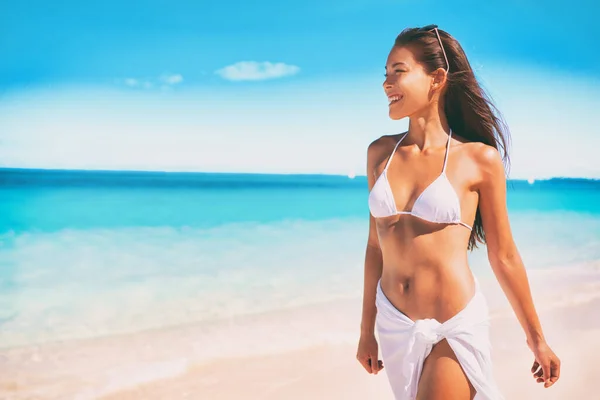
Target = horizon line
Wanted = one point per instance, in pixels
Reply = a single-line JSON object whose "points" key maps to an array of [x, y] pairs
{"points": [[350, 176]]}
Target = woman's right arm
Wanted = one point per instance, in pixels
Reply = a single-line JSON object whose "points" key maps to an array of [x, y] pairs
{"points": [[373, 258], [373, 267]]}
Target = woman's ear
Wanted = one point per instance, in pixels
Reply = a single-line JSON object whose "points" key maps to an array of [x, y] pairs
{"points": [[439, 79]]}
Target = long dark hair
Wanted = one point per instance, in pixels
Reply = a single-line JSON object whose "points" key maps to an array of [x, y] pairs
{"points": [[469, 109]]}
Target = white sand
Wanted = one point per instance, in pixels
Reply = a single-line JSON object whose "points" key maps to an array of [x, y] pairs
{"points": [[302, 353]]}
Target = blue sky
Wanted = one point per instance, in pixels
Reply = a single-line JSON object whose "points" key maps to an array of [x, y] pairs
{"points": [[271, 86]]}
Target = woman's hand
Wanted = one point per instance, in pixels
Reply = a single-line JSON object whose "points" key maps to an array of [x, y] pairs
{"points": [[546, 366], [367, 354]]}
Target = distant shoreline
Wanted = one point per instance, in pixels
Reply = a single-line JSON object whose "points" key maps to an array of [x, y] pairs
{"points": [[59, 171]]}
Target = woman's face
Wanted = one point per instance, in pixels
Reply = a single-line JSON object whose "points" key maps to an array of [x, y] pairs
{"points": [[407, 85]]}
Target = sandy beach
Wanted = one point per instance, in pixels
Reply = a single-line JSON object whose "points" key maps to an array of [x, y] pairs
{"points": [[301, 353]]}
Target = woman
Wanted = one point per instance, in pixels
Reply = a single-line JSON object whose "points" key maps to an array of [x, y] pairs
{"points": [[435, 191]]}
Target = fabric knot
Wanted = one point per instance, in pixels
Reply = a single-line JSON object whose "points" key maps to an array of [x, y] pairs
{"points": [[427, 331]]}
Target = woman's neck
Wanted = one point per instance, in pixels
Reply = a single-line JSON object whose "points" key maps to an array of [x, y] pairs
{"points": [[429, 132]]}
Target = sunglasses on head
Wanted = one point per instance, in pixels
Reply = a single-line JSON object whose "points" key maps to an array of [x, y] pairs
{"points": [[433, 27]]}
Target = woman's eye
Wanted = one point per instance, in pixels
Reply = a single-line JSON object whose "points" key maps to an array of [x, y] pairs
{"points": [[397, 70]]}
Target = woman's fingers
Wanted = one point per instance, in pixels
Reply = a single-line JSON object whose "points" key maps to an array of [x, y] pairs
{"points": [[377, 366], [374, 363], [366, 363], [369, 365], [548, 373], [554, 373]]}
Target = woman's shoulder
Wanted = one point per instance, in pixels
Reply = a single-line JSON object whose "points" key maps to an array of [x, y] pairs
{"points": [[487, 159], [483, 154], [380, 149], [383, 143]]}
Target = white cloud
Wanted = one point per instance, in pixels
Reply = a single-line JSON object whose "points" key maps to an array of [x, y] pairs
{"points": [[255, 71], [165, 80], [172, 79]]}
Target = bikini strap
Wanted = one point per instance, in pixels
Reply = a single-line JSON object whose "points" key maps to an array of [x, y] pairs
{"points": [[465, 225], [447, 151], [394, 151]]}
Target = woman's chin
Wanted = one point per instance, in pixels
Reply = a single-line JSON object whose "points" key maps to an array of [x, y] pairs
{"points": [[396, 115], [396, 112]]}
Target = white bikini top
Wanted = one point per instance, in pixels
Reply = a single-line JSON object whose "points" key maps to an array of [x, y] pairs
{"points": [[437, 203]]}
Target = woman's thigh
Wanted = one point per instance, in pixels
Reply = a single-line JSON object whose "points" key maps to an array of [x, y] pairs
{"points": [[442, 377]]}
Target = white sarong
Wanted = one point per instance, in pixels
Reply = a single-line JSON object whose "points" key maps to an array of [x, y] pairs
{"points": [[405, 344]]}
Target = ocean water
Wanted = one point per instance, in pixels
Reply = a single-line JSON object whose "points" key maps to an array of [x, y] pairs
{"points": [[85, 254]]}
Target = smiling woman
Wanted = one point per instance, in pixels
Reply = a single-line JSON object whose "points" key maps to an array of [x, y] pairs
{"points": [[447, 175]]}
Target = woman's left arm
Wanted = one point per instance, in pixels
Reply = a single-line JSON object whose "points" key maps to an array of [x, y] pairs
{"points": [[507, 264]]}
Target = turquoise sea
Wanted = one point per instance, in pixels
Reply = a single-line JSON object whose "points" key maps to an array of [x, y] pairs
{"points": [[86, 254]]}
